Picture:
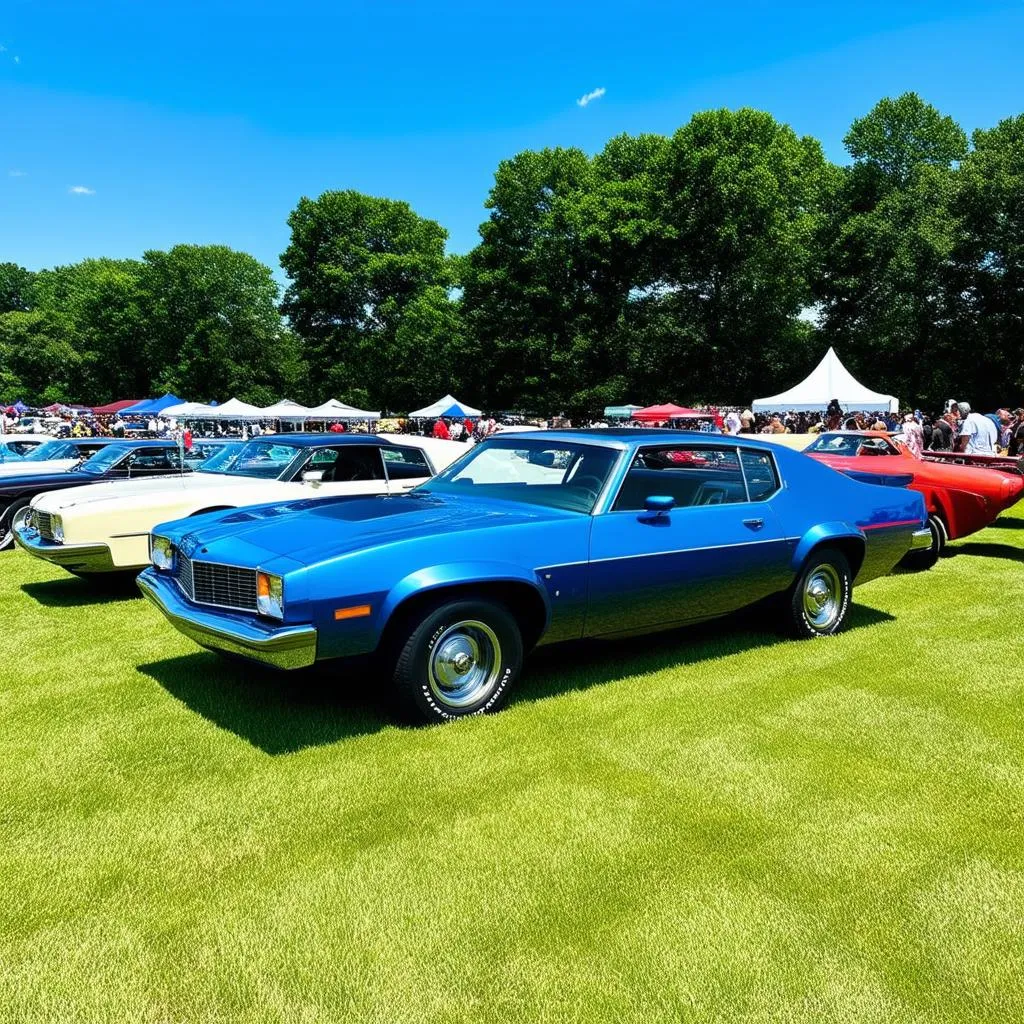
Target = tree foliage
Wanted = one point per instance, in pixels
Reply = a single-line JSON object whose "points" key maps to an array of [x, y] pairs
{"points": [[363, 271], [660, 268]]}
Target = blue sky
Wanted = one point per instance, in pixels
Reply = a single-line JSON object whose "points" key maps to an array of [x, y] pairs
{"points": [[205, 122]]}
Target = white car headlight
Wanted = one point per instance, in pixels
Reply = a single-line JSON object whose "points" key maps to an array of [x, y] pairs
{"points": [[57, 529], [270, 595], [161, 553]]}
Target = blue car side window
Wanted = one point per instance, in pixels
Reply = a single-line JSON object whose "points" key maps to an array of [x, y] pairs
{"points": [[760, 474], [692, 475]]}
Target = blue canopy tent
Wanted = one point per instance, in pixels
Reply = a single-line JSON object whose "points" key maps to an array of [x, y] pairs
{"points": [[460, 411], [152, 406]]}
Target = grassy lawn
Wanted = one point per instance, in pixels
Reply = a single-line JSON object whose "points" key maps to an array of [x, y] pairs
{"points": [[711, 825]]}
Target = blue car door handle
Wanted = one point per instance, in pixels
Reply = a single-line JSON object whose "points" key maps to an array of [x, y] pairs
{"points": [[754, 524]]}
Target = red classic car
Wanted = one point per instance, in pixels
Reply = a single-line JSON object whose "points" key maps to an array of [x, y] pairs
{"points": [[961, 499]]}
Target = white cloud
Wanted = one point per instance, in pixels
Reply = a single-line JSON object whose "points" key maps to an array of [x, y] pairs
{"points": [[17, 174], [591, 96], [81, 190]]}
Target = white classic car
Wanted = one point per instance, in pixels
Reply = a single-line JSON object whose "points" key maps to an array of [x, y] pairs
{"points": [[104, 528]]}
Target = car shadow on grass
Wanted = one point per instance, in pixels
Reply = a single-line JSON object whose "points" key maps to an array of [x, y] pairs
{"points": [[983, 549], [578, 666], [73, 592], [1008, 523], [281, 713], [278, 712]]}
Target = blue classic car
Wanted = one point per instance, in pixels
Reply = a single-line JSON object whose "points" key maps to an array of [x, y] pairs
{"points": [[530, 539]]}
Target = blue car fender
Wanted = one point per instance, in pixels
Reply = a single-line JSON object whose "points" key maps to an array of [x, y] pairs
{"points": [[822, 533], [457, 573]]}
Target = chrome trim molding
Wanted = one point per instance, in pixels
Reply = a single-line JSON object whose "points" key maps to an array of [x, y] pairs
{"points": [[284, 647], [921, 539], [77, 557]]}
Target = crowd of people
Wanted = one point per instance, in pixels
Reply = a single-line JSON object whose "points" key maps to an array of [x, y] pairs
{"points": [[957, 427]]}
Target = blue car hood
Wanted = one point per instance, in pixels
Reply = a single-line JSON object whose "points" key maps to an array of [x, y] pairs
{"points": [[311, 531]]}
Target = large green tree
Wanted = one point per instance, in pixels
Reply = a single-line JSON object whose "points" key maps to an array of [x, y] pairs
{"points": [[369, 297], [213, 327], [986, 350], [98, 303], [887, 246], [741, 197], [40, 361], [16, 288]]}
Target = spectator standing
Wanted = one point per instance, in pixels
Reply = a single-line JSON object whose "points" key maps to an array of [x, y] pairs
{"points": [[913, 435], [978, 434], [733, 423], [747, 422], [455, 430], [441, 430]]}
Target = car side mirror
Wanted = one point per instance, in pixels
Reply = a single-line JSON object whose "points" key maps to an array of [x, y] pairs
{"points": [[659, 504]]}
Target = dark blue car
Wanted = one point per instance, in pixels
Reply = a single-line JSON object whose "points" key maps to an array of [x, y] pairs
{"points": [[529, 539]]}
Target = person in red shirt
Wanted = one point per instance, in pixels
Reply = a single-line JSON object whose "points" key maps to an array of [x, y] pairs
{"points": [[337, 428], [441, 430]]}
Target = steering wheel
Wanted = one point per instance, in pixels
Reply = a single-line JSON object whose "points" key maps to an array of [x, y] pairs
{"points": [[589, 483]]}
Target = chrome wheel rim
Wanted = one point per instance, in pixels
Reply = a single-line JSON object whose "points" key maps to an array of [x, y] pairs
{"points": [[823, 591], [464, 664]]}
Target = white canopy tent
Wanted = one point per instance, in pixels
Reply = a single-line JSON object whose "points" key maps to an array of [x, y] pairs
{"points": [[286, 409], [441, 406], [828, 380], [188, 411], [332, 410], [233, 409]]}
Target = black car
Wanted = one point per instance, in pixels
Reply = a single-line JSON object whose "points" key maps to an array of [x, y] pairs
{"points": [[115, 460]]}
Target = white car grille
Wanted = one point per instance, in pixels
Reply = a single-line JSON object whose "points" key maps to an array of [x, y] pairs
{"points": [[43, 522]]}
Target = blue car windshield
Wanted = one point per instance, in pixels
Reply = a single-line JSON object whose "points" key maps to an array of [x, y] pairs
{"points": [[52, 450], [267, 460], [105, 459], [221, 459], [556, 474]]}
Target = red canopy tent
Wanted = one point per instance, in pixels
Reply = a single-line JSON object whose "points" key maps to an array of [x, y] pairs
{"points": [[657, 413], [109, 410]]}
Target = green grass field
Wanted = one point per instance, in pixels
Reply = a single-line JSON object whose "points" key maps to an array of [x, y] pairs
{"points": [[714, 825]]}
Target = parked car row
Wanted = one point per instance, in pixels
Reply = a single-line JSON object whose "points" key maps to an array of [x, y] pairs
{"points": [[445, 566]]}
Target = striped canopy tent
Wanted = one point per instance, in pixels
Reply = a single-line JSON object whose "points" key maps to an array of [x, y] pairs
{"points": [[620, 412], [447, 406]]}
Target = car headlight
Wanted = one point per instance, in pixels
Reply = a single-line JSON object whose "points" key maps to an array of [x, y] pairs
{"points": [[57, 529], [161, 553], [270, 595]]}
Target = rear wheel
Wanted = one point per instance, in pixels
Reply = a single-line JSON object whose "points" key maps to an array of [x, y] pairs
{"points": [[819, 602], [925, 558], [456, 659]]}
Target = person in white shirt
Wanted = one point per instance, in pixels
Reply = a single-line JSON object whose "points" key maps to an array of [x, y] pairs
{"points": [[978, 434], [733, 423]]}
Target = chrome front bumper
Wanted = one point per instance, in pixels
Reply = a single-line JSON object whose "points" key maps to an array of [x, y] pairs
{"points": [[281, 646], [73, 557], [920, 539]]}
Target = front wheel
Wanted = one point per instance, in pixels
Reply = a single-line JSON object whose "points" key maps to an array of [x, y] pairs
{"points": [[457, 659], [7, 523], [819, 603]]}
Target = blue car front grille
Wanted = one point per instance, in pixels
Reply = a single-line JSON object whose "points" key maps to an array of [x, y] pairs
{"points": [[220, 586]]}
